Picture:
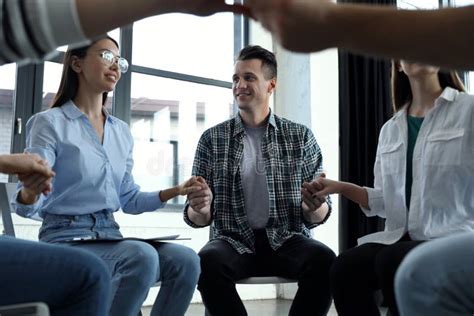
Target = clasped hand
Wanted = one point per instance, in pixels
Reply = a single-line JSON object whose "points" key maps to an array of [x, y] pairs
{"points": [[311, 200]]}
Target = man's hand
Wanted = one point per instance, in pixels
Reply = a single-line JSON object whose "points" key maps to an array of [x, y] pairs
{"points": [[200, 201], [311, 201], [315, 208], [297, 24], [189, 186], [34, 184], [25, 164], [200, 196]]}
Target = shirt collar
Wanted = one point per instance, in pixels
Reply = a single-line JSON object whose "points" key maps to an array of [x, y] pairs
{"points": [[72, 112], [239, 125], [448, 96]]}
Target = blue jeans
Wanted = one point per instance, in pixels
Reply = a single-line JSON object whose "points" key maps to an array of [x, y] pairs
{"points": [[437, 278], [135, 266], [70, 281]]}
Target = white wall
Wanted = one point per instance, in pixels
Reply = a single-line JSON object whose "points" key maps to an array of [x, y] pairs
{"points": [[325, 126]]}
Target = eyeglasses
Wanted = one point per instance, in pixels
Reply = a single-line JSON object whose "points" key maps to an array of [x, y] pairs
{"points": [[110, 59]]}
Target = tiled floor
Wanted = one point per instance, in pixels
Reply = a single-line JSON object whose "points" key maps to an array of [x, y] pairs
{"points": [[258, 307]]}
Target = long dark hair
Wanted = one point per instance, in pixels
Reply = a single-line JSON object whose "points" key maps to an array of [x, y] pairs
{"points": [[401, 89], [69, 79]]}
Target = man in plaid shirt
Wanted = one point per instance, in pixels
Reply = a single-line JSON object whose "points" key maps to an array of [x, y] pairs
{"points": [[255, 173]]}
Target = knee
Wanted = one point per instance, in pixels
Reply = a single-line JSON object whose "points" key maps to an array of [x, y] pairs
{"points": [[211, 260], [141, 261], [325, 258], [340, 270], [319, 263], [97, 273], [410, 269], [386, 264], [188, 263]]}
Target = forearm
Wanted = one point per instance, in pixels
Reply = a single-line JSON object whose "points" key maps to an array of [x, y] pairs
{"points": [[168, 194], [318, 215], [355, 193], [439, 37], [3, 163], [200, 219], [97, 17], [118, 12]]}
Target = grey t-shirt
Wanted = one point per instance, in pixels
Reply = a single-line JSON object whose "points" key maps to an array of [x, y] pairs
{"points": [[254, 179]]}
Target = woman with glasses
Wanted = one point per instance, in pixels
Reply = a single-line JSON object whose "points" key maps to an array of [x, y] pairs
{"points": [[91, 153]]}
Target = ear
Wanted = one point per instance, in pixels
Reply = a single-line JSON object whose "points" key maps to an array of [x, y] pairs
{"points": [[271, 85], [76, 64]]}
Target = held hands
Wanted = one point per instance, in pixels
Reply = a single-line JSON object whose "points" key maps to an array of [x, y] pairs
{"points": [[199, 195], [188, 186], [314, 193], [25, 164], [34, 173], [310, 201]]}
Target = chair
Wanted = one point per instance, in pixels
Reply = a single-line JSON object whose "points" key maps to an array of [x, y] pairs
{"points": [[261, 280], [27, 309], [6, 191]]}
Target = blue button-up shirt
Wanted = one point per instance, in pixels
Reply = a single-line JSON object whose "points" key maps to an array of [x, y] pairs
{"points": [[90, 176]]}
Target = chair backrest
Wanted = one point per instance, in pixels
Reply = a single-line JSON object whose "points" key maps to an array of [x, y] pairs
{"points": [[6, 192]]}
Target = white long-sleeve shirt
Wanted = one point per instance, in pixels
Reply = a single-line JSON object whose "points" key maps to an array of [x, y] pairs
{"points": [[31, 30], [442, 198]]}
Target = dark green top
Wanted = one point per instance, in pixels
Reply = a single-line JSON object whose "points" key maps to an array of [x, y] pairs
{"points": [[414, 124]]}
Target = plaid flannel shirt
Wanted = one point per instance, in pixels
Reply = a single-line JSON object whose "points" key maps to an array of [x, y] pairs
{"points": [[291, 157]]}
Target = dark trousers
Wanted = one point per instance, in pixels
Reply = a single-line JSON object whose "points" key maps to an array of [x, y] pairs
{"points": [[358, 272], [300, 258]]}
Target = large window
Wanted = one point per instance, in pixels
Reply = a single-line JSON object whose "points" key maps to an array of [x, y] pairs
{"points": [[418, 4], [178, 85], [469, 77], [168, 117], [186, 44], [7, 88]]}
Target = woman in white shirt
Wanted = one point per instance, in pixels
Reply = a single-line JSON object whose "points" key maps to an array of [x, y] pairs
{"points": [[422, 185]]}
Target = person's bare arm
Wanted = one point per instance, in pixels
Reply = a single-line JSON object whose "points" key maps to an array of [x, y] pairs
{"points": [[440, 37], [24, 164], [181, 189], [353, 192], [98, 17]]}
